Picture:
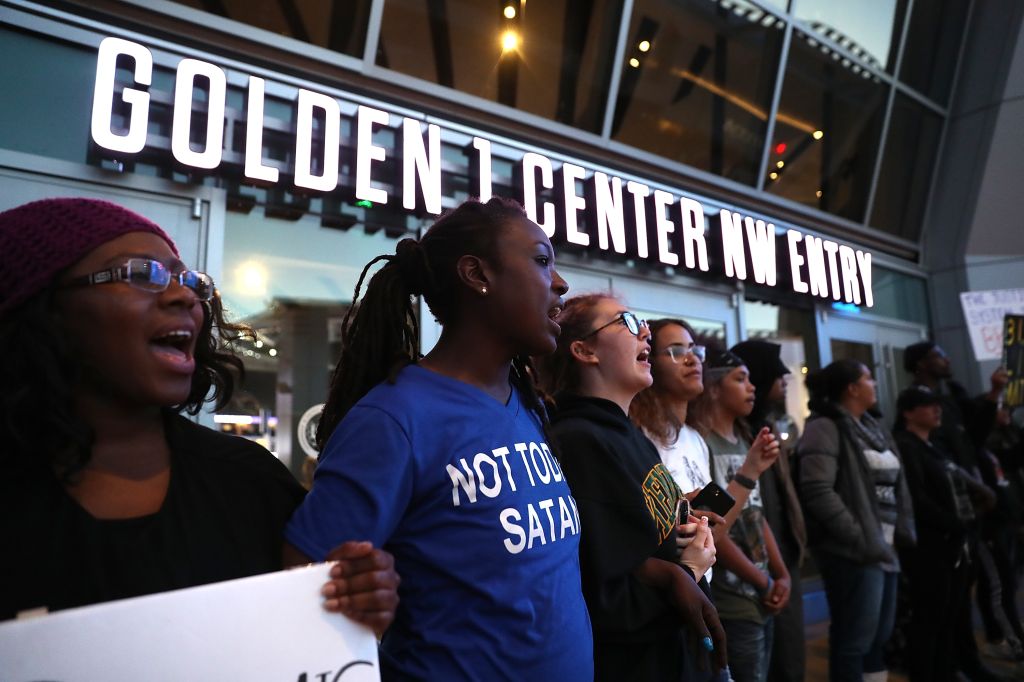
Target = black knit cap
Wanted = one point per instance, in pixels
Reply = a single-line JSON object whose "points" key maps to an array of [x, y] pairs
{"points": [[763, 359]]}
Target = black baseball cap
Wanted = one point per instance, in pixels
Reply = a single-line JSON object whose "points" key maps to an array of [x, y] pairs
{"points": [[915, 396]]}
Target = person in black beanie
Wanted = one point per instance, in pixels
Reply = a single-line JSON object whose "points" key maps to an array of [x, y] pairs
{"points": [[781, 505]]}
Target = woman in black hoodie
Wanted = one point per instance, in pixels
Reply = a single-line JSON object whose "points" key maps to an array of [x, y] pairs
{"points": [[642, 595]]}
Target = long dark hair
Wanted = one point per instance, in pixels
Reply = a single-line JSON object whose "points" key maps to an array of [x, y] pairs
{"points": [[826, 386], [380, 333], [39, 369], [649, 409]]}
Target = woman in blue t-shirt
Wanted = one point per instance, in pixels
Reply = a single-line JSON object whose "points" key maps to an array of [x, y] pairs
{"points": [[443, 460], [643, 596]]}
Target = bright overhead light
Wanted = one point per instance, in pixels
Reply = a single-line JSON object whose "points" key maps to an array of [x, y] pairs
{"points": [[509, 41], [780, 163], [510, 12], [817, 134], [644, 45], [634, 62], [818, 194], [773, 175]]}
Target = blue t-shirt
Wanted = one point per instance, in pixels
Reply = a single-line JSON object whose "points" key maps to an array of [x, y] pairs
{"points": [[467, 496]]}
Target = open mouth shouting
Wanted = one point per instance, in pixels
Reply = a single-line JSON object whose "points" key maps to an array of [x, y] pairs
{"points": [[174, 348]]}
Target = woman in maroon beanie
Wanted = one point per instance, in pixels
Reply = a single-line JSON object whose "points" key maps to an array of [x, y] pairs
{"points": [[106, 491]]}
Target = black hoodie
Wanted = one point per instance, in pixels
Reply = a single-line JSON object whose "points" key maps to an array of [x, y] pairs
{"points": [[626, 499]]}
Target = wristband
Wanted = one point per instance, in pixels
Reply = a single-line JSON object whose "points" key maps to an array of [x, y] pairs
{"points": [[747, 483], [768, 587]]}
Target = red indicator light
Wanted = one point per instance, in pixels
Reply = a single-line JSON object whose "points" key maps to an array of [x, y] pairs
{"points": [[780, 148]]}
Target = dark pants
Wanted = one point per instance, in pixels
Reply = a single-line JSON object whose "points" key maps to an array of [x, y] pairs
{"points": [[997, 586], [936, 589], [788, 645], [862, 608], [750, 646]]}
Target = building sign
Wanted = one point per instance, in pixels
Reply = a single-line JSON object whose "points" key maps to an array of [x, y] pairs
{"points": [[578, 208]]}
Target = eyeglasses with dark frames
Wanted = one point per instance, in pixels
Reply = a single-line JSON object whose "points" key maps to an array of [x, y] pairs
{"points": [[627, 319], [149, 275], [677, 352]]}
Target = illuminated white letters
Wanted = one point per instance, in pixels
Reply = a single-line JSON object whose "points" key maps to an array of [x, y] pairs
{"points": [[254, 167], [664, 227], [608, 212], [761, 243], [573, 203], [795, 261], [484, 148], [692, 214], [848, 265], [833, 267], [367, 152], [533, 162], [864, 266], [134, 139], [816, 273], [640, 192], [304, 177], [732, 244], [181, 129], [417, 162]]}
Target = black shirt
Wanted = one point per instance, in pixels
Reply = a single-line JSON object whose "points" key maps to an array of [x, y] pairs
{"points": [[223, 517]]}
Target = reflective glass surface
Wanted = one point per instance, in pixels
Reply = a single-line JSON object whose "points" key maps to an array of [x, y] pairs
{"points": [[869, 29], [826, 131], [338, 25], [910, 150], [933, 45], [900, 296], [550, 58], [697, 83]]}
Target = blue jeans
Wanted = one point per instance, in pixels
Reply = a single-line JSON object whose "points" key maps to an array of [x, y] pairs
{"points": [[862, 605], [750, 649]]}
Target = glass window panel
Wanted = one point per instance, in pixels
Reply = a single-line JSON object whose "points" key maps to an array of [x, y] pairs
{"points": [[910, 149], [899, 296], [933, 45], [339, 25], [549, 58], [697, 83], [827, 130], [869, 29]]}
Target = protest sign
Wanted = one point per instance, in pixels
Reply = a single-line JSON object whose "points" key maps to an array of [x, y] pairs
{"points": [[268, 627], [1013, 359], [984, 312]]}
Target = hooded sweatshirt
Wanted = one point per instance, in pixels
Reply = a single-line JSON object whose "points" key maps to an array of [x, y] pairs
{"points": [[626, 499]]}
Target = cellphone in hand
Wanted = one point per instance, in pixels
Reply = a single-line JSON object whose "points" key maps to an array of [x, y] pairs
{"points": [[714, 498], [682, 510]]}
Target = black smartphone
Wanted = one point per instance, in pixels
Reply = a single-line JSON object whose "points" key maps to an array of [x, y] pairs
{"points": [[715, 498]]}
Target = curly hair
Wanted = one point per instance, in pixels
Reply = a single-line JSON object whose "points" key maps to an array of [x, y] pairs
{"points": [[38, 370], [649, 409], [380, 333], [558, 371]]}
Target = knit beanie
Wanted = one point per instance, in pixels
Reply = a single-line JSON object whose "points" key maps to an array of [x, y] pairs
{"points": [[763, 359], [40, 239]]}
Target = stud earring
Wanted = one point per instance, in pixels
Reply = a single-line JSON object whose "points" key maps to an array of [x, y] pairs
{"points": [[483, 291]]}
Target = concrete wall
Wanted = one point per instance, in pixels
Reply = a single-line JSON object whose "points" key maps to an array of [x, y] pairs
{"points": [[974, 228]]}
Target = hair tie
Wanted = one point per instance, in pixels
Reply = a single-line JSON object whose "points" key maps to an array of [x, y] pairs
{"points": [[412, 265]]}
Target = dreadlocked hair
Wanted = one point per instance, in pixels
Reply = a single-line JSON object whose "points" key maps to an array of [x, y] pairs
{"points": [[650, 409], [380, 333], [560, 371], [39, 369]]}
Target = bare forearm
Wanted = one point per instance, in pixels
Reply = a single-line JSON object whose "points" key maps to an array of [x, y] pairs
{"points": [[732, 558]]}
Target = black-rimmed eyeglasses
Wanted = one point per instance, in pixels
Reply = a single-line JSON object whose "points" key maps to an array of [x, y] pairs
{"points": [[677, 352], [627, 319], [149, 275]]}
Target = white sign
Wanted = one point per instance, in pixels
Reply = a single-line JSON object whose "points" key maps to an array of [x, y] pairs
{"points": [[269, 627], [984, 311]]}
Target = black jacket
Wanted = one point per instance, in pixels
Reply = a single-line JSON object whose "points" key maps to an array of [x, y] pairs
{"points": [[626, 499]]}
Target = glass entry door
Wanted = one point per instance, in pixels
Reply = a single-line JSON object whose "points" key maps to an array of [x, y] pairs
{"points": [[878, 344]]}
